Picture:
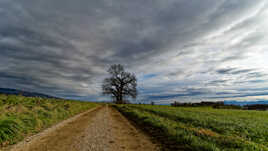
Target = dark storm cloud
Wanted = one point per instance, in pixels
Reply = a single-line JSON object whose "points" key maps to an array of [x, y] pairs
{"points": [[172, 96], [234, 71], [214, 82], [256, 75], [63, 47], [185, 92], [241, 95], [225, 71]]}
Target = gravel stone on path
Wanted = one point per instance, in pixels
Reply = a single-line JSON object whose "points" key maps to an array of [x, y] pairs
{"points": [[104, 129]]}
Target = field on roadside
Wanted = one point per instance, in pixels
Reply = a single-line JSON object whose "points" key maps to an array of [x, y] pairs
{"points": [[202, 128], [23, 116]]}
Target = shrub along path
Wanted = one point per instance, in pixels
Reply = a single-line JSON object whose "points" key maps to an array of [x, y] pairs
{"points": [[103, 129]]}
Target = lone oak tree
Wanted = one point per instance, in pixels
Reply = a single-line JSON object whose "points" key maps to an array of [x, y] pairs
{"points": [[120, 84]]}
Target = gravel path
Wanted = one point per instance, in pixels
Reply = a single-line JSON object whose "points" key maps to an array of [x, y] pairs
{"points": [[103, 129]]}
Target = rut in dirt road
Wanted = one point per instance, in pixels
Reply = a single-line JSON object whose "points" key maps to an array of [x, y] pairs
{"points": [[104, 129]]}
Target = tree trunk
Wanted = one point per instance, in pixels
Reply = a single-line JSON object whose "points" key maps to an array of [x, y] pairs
{"points": [[120, 99]]}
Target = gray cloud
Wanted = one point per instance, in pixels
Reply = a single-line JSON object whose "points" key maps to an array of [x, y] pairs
{"points": [[234, 71], [63, 47]]}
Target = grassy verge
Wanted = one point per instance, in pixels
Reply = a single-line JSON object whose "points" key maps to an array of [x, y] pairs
{"points": [[24, 116], [202, 128]]}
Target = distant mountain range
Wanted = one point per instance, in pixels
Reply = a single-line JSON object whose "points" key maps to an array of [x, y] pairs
{"points": [[243, 103], [23, 93]]}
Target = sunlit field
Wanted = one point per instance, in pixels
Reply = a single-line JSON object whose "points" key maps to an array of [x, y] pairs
{"points": [[23, 116], [202, 128]]}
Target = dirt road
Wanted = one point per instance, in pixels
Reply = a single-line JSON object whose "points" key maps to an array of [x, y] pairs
{"points": [[103, 129]]}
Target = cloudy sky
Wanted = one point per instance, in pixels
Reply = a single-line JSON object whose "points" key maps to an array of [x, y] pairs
{"points": [[185, 50]]}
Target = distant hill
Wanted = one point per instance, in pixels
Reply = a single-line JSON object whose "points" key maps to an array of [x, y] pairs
{"points": [[23, 93], [243, 103]]}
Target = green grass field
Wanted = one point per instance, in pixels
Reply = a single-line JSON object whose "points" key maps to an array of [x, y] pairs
{"points": [[23, 116], [202, 128]]}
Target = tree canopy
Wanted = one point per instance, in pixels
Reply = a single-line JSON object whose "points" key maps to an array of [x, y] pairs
{"points": [[120, 84]]}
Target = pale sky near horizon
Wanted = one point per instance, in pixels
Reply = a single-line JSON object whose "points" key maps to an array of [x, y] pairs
{"points": [[184, 50]]}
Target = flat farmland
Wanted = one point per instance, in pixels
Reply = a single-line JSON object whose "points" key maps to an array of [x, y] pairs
{"points": [[202, 128]]}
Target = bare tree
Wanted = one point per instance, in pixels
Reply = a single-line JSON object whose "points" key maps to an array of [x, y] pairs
{"points": [[120, 85]]}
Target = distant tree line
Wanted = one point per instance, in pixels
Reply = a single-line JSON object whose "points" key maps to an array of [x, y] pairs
{"points": [[263, 107], [176, 104], [221, 105]]}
